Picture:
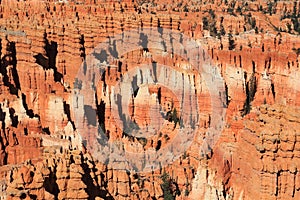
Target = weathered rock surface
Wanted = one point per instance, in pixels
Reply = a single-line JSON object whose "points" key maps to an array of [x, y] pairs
{"points": [[256, 47]]}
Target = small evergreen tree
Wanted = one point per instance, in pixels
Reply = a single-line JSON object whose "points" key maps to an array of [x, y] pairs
{"points": [[166, 186]]}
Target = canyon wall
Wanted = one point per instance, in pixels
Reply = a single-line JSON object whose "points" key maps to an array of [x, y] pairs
{"points": [[255, 47]]}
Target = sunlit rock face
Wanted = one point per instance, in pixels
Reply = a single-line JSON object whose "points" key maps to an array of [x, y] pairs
{"points": [[46, 135]]}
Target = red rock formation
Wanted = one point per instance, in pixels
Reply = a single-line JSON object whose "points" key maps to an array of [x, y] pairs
{"points": [[254, 44]]}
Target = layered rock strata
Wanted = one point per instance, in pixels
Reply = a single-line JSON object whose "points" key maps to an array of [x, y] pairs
{"points": [[255, 46]]}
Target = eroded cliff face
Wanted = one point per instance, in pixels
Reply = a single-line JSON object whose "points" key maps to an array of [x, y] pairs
{"points": [[255, 46]]}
